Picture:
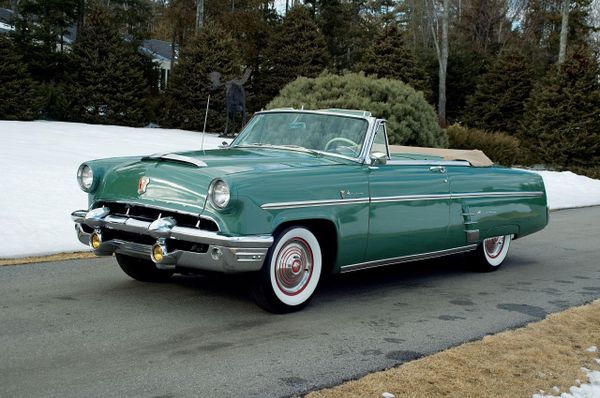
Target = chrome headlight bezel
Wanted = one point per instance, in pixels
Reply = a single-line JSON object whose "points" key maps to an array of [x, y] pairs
{"points": [[219, 194], [85, 177]]}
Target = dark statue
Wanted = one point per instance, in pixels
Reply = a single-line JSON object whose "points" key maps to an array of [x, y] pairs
{"points": [[235, 95]]}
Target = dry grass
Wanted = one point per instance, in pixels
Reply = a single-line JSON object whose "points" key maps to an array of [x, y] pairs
{"points": [[45, 259], [515, 363]]}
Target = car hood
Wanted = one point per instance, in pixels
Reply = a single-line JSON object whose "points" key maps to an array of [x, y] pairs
{"points": [[180, 181]]}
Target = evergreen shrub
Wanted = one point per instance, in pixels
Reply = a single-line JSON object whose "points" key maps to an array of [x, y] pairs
{"points": [[212, 49], [19, 97], [500, 147], [411, 120], [561, 125]]}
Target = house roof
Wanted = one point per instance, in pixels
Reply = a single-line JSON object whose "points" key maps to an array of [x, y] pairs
{"points": [[158, 49], [6, 15]]}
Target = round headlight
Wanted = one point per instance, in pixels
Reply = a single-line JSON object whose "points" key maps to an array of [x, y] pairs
{"points": [[85, 177], [219, 194]]}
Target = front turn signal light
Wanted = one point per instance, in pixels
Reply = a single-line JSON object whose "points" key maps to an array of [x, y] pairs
{"points": [[95, 240], [158, 253]]}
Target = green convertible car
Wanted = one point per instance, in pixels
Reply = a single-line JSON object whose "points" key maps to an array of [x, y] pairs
{"points": [[299, 194]]}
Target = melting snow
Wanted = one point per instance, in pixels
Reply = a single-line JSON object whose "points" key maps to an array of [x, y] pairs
{"points": [[591, 389]]}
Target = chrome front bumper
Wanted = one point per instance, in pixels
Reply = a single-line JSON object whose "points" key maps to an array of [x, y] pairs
{"points": [[229, 254]]}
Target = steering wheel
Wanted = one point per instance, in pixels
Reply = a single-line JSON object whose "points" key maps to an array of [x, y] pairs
{"points": [[341, 139]]}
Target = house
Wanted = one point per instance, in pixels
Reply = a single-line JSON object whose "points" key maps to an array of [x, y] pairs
{"points": [[161, 52], [6, 20]]}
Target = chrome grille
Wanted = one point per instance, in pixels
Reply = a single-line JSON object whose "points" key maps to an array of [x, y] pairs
{"points": [[145, 213]]}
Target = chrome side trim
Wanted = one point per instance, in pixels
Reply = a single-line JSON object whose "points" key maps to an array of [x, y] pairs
{"points": [[517, 194], [409, 198], [313, 203], [405, 259], [465, 195], [463, 163], [400, 198]]}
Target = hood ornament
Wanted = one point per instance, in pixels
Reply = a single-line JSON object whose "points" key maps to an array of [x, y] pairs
{"points": [[143, 184]]}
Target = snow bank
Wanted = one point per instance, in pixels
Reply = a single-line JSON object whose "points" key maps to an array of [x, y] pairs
{"points": [[587, 390], [567, 190], [38, 188]]}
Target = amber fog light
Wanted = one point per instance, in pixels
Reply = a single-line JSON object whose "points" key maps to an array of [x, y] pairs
{"points": [[95, 240], [158, 252]]}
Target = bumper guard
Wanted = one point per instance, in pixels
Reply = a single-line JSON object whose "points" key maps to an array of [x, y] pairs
{"points": [[229, 254]]}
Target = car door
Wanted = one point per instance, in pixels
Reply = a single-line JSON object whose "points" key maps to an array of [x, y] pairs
{"points": [[409, 206]]}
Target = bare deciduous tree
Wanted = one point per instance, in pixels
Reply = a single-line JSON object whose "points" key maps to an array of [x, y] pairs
{"points": [[564, 31], [441, 49]]}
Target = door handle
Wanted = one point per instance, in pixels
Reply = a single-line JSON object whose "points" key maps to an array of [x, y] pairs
{"points": [[437, 169]]}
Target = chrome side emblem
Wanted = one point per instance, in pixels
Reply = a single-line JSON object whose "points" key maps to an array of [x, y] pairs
{"points": [[143, 184]]}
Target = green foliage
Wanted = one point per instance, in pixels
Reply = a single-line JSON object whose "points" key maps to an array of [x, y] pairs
{"points": [[343, 28], [500, 147], [108, 84], [464, 69], [562, 121], [212, 50], [390, 56], [592, 171], [19, 99], [411, 120], [39, 35], [253, 31], [498, 101], [298, 49]]}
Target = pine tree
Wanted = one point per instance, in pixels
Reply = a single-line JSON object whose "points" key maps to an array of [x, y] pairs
{"points": [[390, 56], [210, 50], [298, 49], [39, 35], [19, 99], [498, 101], [562, 121], [108, 82]]}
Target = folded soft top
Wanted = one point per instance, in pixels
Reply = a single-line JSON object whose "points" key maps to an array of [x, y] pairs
{"points": [[474, 156]]}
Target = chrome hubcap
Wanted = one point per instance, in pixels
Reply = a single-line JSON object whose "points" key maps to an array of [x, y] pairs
{"points": [[294, 266], [493, 246]]}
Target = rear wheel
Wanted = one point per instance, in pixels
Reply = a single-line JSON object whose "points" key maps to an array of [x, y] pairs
{"points": [[291, 272], [491, 253], [142, 270]]}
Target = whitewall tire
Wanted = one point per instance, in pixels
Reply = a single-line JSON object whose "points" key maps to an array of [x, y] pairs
{"points": [[491, 253], [291, 272]]}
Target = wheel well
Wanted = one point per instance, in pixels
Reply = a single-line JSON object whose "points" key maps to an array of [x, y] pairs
{"points": [[325, 232]]}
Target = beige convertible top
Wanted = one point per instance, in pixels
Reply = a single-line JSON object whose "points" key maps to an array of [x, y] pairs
{"points": [[474, 156]]}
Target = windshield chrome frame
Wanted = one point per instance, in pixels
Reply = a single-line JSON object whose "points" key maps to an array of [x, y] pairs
{"points": [[369, 135], [366, 158]]}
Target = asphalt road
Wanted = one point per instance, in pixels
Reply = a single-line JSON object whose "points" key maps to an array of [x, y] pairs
{"points": [[83, 328]]}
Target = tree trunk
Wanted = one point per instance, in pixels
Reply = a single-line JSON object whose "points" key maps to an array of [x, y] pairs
{"points": [[199, 14], [564, 31], [443, 63]]}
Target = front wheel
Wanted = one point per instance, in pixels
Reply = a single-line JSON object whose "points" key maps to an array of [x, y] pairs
{"points": [[491, 253], [291, 272], [142, 270]]}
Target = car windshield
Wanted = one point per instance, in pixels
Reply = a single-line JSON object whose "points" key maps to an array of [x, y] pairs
{"points": [[335, 134]]}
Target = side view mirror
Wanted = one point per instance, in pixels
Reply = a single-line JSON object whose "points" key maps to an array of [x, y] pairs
{"points": [[378, 159], [224, 144]]}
